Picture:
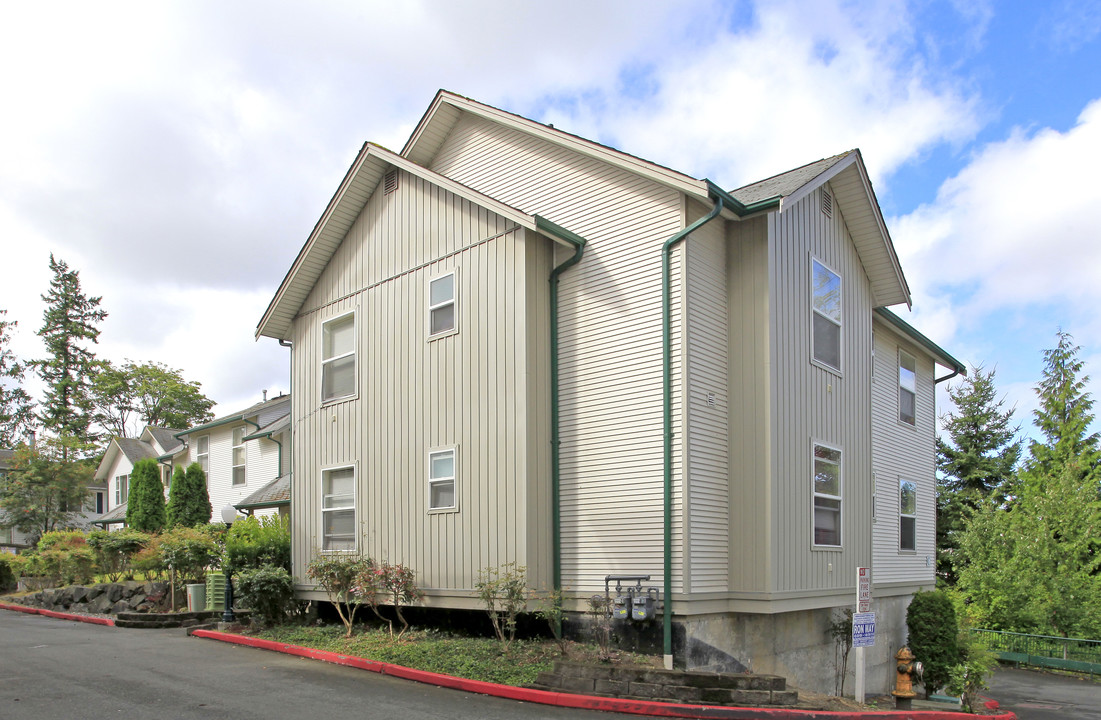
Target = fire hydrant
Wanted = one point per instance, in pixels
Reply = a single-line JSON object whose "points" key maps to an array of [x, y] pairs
{"points": [[906, 669]]}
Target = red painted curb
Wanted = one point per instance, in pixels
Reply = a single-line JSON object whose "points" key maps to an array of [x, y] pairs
{"points": [[59, 615], [583, 702]]}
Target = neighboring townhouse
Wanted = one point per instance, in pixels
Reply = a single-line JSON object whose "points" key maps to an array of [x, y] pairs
{"points": [[509, 343], [118, 461], [244, 455], [13, 540]]}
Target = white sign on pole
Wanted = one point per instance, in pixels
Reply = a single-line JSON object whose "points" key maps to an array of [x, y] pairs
{"points": [[863, 629], [863, 589]]}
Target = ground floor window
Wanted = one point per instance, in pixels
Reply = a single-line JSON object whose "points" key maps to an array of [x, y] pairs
{"points": [[338, 509]]}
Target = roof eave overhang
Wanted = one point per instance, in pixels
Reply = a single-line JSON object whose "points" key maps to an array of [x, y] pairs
{"points": [[909, 331], [355, 191]]}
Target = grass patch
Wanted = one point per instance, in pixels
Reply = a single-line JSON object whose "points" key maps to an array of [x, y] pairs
{"points": [[435, 651]]}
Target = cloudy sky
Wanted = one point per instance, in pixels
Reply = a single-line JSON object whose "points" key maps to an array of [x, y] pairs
{"points": [[179, 153]]}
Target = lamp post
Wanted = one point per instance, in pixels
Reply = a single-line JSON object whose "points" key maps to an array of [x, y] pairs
{"points": [[229, 514]]}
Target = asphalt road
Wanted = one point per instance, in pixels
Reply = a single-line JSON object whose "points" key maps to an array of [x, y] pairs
{"points": [[1035, 695], [67, 670]]}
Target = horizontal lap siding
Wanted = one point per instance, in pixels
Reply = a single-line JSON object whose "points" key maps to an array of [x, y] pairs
{"points": [[902, 451], [708, 507], [466, 390], [816, 405], [610, 338], [750, 512]]}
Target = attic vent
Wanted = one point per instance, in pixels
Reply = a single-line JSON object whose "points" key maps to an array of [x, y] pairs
{"points": [[827, 203], [711, 399], [390, 181]]}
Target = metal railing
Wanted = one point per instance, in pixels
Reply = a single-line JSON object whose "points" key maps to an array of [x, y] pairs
{"points": [[1075, 654]]}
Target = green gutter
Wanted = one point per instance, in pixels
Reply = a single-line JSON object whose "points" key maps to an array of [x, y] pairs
{"points": [[547, 227], [721, 199], [936, 350]]}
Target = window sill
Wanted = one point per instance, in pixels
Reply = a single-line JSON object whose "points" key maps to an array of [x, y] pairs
{"points": [[443, 511], [443, 334], [339, 400], [828, 368], [827, 548]]}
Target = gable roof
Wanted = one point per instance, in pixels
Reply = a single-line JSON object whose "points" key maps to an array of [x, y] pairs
{"points": [[165, 438], [846, 172], [355, 190]]}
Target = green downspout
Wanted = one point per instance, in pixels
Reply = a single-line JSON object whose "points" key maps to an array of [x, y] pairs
{"points": [[722, 199], [547, 227]]}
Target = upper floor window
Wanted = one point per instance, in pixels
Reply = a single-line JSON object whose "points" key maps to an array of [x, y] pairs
{"points": [[826, 316], [239, 456], [907, 515], [122, 489], [202, 452], [827, 496], [338, 357], [338, 509], [907, 387], [441, 304], [441, 480]]}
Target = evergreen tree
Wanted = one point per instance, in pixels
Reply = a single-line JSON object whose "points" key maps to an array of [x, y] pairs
{"points": [[933, 632], [195, 506], [69, 322], [176, 492], [1064, 415], [16, 407], [145, 506], [976, 460]]}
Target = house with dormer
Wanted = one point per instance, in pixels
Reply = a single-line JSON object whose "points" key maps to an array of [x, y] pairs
{"points": [[514, 344]]}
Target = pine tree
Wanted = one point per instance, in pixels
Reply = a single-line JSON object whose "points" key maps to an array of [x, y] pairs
{"points": [[145, 506], [1064, 415], [16, 407], [69, 322], [977, 460]]}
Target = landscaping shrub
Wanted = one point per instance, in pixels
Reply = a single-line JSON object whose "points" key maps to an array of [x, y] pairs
{"points": [[149, 561], [145, 505], [967, 678], [337, 576], [114, 551], [268, 591], [503, 592], [252, 543], [189, 552], [379, 583], [934, 632], [7, 574], [62, 556]]}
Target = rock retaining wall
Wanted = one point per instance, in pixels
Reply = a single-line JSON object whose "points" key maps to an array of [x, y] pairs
{"points": [[104, 599]]}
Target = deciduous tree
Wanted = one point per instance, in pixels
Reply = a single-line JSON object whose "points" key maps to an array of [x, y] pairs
{"points": [[44, 490], [156, 394]]}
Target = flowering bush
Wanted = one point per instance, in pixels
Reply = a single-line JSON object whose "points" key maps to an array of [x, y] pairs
{"points": [[377, 584], [336, 575]]}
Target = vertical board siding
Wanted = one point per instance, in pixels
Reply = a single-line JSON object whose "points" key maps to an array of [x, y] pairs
{"points": [[465, 391], [814, 404], [750, 379], [902, 451], [610, 338], [707, 431]]}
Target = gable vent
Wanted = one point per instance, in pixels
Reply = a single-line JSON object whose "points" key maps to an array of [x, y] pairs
{"points": [[390, 182], [827, 203]]}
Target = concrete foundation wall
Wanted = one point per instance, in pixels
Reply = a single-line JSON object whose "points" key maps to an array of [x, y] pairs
{"points": [[795, 645]]}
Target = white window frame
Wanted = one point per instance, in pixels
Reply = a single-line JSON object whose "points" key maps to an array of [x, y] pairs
{"points": [[903, 515], [238, 443], [816, 313], [325, 361], [202, 453], [827, 498], [453, 302], [122, 489], [902, 354], [325, 511], [452, 479]]}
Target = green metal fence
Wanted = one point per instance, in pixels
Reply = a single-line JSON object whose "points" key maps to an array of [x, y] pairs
{"points": [[1076, 654]]}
